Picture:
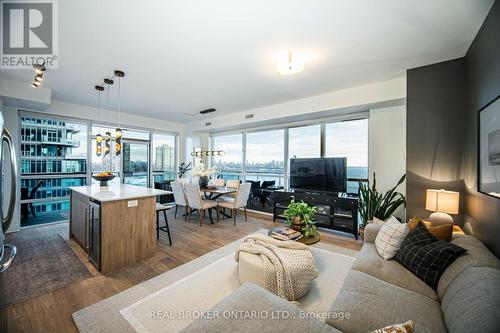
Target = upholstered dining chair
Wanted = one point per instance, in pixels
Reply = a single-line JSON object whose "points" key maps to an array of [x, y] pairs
{"points": [[233, 183], [219, 182], [240, 201], [179, 197], [195, 201]]}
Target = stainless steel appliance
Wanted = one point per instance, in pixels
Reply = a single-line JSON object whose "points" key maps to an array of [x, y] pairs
{"points": [[7, 252], [94, 233]]}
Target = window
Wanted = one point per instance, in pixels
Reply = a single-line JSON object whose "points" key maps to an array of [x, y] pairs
{"points": [[164, 157], [304, 141], [229, 166], [53, 157], [349, 139], [265, 156]]}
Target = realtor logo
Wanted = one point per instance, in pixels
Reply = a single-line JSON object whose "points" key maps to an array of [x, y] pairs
{"points": [[29, 33]]}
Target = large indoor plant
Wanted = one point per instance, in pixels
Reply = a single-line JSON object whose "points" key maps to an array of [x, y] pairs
{"points": [[300, 217], [374, 204]]}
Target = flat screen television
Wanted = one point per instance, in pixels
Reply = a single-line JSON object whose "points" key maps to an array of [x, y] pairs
{"points": [[319, 174]]}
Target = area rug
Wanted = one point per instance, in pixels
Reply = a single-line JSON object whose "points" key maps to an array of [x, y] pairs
{"points": [[42, 265], [197, 286]]}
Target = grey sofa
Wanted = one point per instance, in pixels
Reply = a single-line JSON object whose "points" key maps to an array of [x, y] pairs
{"points": [[377, 293]]}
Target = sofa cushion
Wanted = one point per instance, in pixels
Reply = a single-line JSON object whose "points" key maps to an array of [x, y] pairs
{"points": [[368, 261], [373, 303], [477, 255], [426, 256], [251, 308], [390, 237], [472, 301], [442, 231]]}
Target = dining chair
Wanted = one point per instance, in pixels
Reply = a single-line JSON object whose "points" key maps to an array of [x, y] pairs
{"points": [[195, 201], [233, 183], [179, 197], [219, 182], [240, 201]]}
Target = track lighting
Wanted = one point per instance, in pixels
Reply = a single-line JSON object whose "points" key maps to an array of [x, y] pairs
{"points": [[39, 70]]}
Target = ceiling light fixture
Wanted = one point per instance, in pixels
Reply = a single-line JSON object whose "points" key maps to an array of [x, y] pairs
{"points": [[39, 70], [290, 64]]}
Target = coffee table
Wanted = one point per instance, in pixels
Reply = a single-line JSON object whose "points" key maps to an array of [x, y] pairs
{"points": [[303, 240]]}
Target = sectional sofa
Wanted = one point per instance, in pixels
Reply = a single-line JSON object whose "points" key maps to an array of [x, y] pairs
{"points": [[377, 293]]}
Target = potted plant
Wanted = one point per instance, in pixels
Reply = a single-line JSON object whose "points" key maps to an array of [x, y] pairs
{"points": [[203, 173], [300, 217], [374, 204]]}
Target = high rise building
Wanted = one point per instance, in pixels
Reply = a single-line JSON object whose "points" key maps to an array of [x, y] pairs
{"points": [[164, 158], [52, 159]]}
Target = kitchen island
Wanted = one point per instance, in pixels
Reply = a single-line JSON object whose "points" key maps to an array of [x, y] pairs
{"points": [[115, 224]]}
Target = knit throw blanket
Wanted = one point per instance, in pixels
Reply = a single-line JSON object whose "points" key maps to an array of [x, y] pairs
{"points": [[289, 266]]}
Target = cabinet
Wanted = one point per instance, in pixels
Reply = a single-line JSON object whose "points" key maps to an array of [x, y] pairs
{"points": [[332, 211]]}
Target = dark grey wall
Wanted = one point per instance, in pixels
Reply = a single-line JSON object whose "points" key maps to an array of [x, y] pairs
{"points": [[442, 104], [482, 63], [435, 127]]}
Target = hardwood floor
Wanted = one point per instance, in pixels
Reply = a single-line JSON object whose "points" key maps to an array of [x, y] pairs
{"points": [[51, 312]]}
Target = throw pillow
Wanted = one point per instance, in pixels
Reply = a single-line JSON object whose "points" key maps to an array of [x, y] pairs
{"points": [[377, 221], [426, 256], [390, 237], [442, 231], [397, 328]]}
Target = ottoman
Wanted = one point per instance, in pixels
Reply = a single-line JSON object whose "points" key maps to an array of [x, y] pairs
{"points": [[251, 269]]}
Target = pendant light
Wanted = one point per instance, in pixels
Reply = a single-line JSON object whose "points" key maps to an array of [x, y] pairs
{"points": [[98, 137], [118, 130], [107, 135]]}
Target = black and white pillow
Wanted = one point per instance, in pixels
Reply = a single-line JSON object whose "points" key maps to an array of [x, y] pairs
{"points": [[426, 256]]}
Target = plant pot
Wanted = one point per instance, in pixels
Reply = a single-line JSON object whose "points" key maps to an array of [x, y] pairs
{"points": [[203, 181], [297, 224]]}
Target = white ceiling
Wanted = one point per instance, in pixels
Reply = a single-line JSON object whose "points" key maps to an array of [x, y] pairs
{"points": [[185, 56]]}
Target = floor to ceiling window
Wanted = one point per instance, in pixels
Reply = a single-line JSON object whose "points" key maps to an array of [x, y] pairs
{"points": [[349, 139], [164, 157], [265, 159], [53, 157], [265, 153], [229, 165]]}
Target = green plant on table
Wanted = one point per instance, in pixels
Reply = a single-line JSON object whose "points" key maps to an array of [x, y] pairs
{"points": [[374, 204], [300, 213]]}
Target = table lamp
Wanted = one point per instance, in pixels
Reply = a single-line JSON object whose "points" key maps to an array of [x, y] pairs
{"points": [[442, 203]]}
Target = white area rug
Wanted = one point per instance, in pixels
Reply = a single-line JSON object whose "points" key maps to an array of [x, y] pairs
{"points": [[199, 285]]}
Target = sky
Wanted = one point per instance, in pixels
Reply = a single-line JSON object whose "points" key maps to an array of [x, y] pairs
{"points": [[344, 139]]}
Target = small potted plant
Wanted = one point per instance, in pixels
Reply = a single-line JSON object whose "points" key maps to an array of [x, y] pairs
{"points": [[203, 173], [300, 217], [374, 204]]}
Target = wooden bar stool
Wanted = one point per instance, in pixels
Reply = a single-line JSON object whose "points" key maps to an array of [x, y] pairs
{"points": [[162, 208]]}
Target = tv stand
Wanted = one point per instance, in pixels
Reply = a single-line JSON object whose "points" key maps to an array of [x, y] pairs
{"points": [[332, 211]]}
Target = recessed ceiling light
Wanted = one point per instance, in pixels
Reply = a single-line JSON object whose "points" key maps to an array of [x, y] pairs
{"points": [[290, 64]]}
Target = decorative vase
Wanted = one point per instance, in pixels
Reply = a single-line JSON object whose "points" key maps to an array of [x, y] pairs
{"points": [[297, 224], [203, 181]]}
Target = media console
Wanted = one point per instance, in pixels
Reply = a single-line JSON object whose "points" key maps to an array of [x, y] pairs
{"points": [[332, 211]]}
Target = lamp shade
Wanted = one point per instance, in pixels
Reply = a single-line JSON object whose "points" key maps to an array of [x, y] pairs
{"points": [[442, 201]]}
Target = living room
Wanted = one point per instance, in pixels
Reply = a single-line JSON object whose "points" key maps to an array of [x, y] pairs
{"points": [[328, 166]]}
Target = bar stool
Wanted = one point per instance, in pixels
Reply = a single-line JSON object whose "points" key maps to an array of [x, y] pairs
{"points": [[162, 208]]}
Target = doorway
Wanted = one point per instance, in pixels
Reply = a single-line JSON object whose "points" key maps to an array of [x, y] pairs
{"points": [[135, 165]]}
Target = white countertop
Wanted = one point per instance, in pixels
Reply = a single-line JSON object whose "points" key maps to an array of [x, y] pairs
{"points": [[115, 192]]}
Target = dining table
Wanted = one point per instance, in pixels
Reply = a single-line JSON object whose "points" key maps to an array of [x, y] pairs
{"points": [[215, 192]]}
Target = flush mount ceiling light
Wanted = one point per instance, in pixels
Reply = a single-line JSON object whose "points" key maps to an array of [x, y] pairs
{"points": [[290, 64]]}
